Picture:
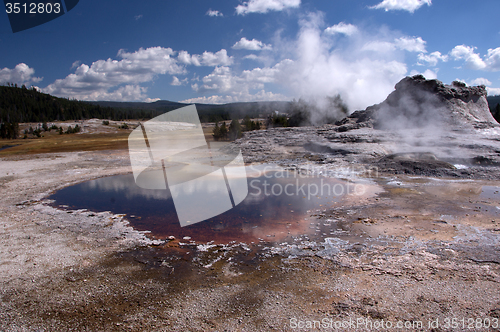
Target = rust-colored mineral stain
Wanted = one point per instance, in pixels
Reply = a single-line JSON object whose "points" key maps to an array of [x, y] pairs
{"points": [[266, 214]]}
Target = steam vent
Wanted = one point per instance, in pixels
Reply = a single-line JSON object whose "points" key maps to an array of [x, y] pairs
{"points": [[418, 103], [424, 127]]}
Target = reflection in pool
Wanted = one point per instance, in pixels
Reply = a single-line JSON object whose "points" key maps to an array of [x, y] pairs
{"points": [[275, 208]]}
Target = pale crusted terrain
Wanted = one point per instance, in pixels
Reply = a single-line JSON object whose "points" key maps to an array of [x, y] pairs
{"points": [[88, 271]]}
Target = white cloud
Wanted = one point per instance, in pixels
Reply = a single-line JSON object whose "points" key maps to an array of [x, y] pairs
{"points": [[493, 91], [177, 82], [261, 95], [428, 74], [138, 17], [252, 45], [216, 59], [408, 5], [94, 82], [432, 59], [480, 81], [264, 6], [253, 57], [379, 46], [214, 13], [472, 59], [123, 93], [493, 59], [343, 28], [410, 44], [76, 64], [151, 100], [97, 81], [20, 74], [232, 87], [219, 58]]}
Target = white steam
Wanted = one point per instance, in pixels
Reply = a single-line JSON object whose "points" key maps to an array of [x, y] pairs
{"points": [[328, 65]]}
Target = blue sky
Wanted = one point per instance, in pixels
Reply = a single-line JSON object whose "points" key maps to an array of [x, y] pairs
{"points": [[229, 50]]}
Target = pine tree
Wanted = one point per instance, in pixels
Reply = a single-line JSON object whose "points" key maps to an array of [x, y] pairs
{"points": [[223, 130], [234, 130], [216, 132]]}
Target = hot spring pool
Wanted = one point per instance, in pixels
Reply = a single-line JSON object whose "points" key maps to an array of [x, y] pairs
{"points": [[276, 207]]}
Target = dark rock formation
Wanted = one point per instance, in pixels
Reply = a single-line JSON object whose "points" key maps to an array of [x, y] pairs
{"points": [[417, 102]]}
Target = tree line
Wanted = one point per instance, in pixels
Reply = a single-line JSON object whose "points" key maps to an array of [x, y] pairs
{"points": [[21, 104], [235, 129]]}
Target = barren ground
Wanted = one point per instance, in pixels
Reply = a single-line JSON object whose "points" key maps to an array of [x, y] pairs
{"points": [[422, 249]]}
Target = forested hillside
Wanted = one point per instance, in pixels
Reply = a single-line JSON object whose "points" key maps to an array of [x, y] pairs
{"points": [[29, 105], [494, 104]]}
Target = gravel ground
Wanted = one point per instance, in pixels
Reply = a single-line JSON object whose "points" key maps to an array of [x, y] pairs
{"points": [[88, 271]]}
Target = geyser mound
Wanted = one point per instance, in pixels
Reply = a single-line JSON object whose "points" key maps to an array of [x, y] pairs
{"points": [[419, 103]]}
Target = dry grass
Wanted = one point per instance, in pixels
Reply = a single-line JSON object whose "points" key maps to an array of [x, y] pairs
{"points": [[53, 142]]}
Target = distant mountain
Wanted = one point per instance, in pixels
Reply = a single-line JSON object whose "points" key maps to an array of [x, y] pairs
{"points": [[207, 112], [166, 105], [20, 104]]}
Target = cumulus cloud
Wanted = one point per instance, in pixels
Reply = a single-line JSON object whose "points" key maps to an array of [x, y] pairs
{"points": [[177, 82], [230, 86], [219, 58], [264, 6], [408, 5], [252, 45], [119, 79], [123, 93], [493, 59], [342, 28], [429, 74], [94, 82], [431, 59], [76, 64], [261, 95], [151, 100], [379, 46], [473, 60], [20, 74], [481, 81], [214, 13], [493, 91], [410, 44]]}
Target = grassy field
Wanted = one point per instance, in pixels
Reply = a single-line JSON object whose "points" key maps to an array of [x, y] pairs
{"points": [[96, 137], [53, 142]]}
